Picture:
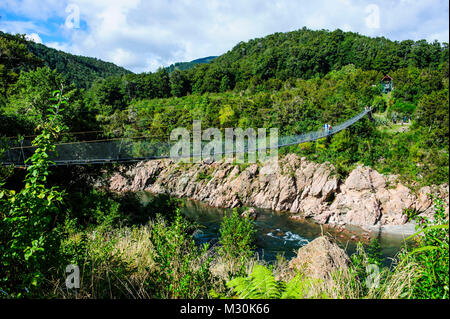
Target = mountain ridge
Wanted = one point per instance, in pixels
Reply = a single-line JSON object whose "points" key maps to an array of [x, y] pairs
{"points": [[183, 66], [77, 69]]}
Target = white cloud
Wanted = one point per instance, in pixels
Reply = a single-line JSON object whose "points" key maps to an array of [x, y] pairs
{"points": [[59, 46], [34, 37], [143, 35], [22, 27]]}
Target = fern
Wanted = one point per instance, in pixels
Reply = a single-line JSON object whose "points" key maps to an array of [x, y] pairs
{"points": [[301, 287], [261, 284]]}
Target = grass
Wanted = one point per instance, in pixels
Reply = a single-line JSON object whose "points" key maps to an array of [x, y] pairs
{"points": [[120, 263]]}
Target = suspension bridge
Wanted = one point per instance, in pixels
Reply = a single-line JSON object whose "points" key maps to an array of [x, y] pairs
{"points": [[135, 150]]}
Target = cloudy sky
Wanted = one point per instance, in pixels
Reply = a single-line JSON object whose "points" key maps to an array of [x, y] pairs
{"points": [[142, 35]]}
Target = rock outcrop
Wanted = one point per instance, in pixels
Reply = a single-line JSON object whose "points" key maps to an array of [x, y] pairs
{"points": [[320, 258], [250, 213], [305, 189]]}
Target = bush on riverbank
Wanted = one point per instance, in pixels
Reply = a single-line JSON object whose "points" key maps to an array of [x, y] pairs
{"points": [[156, 260], [237, 237]]}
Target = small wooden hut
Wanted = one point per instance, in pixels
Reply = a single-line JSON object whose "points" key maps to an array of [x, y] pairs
{"points": [[387, 84]]}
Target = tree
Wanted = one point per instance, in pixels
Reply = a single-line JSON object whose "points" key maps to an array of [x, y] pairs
{"points": [[161, 82], [14, 57], [30, 239], [432, 113], [111, 91], [179, 85], [32, 91]]}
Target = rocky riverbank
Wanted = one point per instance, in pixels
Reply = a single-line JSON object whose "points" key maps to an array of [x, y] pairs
{"points": [[306, 189]]}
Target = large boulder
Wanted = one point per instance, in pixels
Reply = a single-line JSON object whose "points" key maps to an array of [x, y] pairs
{"points": [[250, 213], [357, 203], [320, 258], [118, 183], [364, 178], [393, 202], [424, 203]]}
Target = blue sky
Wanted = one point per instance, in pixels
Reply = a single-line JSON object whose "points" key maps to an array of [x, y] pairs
{"points": [[142, 35]]}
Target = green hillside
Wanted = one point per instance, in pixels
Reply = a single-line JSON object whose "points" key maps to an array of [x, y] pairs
{"points": [[183, 66], [79, 70], [307, 53]]}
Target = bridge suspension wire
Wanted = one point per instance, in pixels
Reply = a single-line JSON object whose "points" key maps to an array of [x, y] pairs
{"points": [[96, 112], [134, 149]]}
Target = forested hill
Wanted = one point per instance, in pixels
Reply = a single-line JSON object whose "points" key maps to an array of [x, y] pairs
{"points": [[306, 53], [79, 70], [182, 66]]}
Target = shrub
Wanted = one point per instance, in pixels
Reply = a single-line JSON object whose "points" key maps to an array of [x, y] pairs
{"points": [[182, 269], [431, 255], [363, 261], [30, 235], [105, 270], [237, 236]]}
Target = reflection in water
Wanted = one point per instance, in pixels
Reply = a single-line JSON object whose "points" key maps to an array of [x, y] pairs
{"points": [[277, 233]]}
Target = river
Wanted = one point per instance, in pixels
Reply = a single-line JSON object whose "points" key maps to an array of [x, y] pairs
{"points": [[277, 234]]}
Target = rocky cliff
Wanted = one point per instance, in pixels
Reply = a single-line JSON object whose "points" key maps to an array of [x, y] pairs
{"points": [[305, 189]]}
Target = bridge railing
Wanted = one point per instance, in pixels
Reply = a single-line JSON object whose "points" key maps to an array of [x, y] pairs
{"points": [[129, 149]]}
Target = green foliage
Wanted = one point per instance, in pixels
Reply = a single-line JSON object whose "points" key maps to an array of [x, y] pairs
{"points": [[264, 64], [431, 254], [183, 66], [79, 70], [379, 104], [237, 237], [261, 284], [403, 108], [31, 92], [374, 255], [432, 113], [179, 85], [306, 54], [176, 255], [104, 273], [14, 57], [362, 259], [29, 218], [203, 176]]}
